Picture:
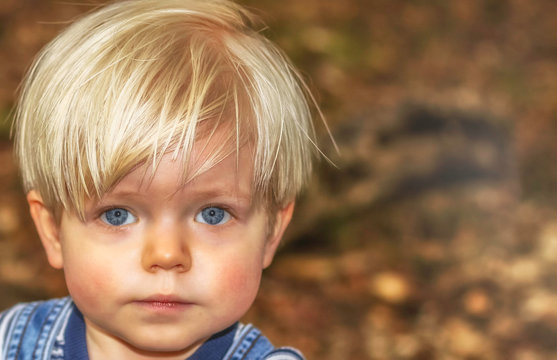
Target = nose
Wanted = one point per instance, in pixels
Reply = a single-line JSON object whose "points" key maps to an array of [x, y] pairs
{"points": [[165, 248]]}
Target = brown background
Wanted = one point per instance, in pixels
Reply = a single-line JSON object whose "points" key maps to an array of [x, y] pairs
{"points": [[436, 237]]}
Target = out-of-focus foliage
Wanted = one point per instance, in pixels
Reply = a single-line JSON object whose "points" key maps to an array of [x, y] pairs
{"points": [[436, 236]]}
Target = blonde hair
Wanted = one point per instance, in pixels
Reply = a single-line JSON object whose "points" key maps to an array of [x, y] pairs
{"points": [[138, 79]]}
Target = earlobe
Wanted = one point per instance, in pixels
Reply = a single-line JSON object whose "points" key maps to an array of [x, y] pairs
{"points": [[282, 220], [47, 227]]}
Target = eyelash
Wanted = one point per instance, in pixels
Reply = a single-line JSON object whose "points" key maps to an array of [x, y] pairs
{"points": [[103, 211], [227, 216], [220, 206], [228, 209]]}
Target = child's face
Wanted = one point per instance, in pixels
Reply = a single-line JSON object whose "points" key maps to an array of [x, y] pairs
{"points": [[163, 267]]}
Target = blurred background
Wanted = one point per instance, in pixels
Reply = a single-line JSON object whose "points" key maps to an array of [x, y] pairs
{"points": [[435, 237]]}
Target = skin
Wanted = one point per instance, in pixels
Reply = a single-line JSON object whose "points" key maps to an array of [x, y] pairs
{"points": [[163, 282]]}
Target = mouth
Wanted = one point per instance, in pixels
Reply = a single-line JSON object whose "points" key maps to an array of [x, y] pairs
{"points": [[163, 303]]}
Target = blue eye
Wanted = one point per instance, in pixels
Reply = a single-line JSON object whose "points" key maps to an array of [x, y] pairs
{"points": [[212, 216], [118, 217]]}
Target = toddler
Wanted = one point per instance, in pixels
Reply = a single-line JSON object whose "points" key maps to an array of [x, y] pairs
{"points": [[162, 144]]}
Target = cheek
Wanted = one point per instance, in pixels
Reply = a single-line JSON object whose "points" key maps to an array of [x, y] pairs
{"points": [[89, 281], [241, 279], [239, 284]]}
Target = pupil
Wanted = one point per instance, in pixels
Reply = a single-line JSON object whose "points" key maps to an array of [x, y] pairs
{"points": [[117, 213]]}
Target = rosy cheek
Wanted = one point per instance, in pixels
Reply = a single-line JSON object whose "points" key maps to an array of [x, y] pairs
{"points": [[88, 282], [241, 283]]}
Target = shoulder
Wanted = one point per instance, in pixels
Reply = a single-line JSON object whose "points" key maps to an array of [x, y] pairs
{"points": [[250, 344], [32, 327], [28, 314]]}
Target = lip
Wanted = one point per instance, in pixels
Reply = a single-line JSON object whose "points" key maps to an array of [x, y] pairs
{"points": [[164, 303]]}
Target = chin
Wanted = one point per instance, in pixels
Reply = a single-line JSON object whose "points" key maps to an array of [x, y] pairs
{"points": [[161, 344]]}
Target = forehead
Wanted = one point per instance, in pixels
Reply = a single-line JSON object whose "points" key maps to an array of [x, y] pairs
{"points": [[200, 174]]}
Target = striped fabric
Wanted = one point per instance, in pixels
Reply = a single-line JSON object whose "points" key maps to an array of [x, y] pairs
{"points": [[251, 344], [35, 330]]}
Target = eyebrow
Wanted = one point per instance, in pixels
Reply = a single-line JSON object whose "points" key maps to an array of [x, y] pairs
{"points": [[241, 196], [244, 197]]}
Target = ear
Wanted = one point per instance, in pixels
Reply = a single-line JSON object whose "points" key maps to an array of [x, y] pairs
{"points": [[283, 217], [47, 227]]}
